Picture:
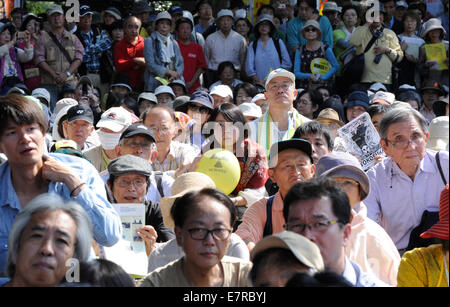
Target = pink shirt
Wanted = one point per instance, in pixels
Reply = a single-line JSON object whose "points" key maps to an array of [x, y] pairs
{"points": [[372, 248], [252, 227]]}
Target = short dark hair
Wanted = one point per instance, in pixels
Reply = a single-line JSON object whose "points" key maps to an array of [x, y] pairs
{"points": [[21, 111], [316, 188], [183, 206], [231, 113], [314, 127], [375, 109], [104, 273], [183, 20], [159, 106], [265, 6], [316, 98], [249, 88], [310, 3], [224, 65]]}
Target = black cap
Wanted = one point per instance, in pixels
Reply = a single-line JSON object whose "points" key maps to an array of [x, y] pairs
{"points": [[129, 164], [79, 112], [299, 144], [84, 10], [137, 129]]}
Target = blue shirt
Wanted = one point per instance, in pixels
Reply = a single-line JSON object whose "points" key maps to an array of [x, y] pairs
{"points": [[93, 50], [358, 278], [106, 221], [266, 59], [295, 38]]}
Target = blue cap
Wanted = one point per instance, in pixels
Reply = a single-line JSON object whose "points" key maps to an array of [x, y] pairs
{"points": [[202, 97], [175, 9], [357, 98]]}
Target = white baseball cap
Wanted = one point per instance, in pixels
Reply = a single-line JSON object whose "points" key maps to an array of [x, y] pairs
{"points": [[279, 72], [222, 90], [257, 97], [250, 109], [115, 119]]}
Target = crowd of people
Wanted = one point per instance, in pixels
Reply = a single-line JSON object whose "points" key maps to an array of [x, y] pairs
{"points": [[120, 107]]}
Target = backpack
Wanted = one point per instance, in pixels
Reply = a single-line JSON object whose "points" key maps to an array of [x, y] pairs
{"points": [[276, 42]]}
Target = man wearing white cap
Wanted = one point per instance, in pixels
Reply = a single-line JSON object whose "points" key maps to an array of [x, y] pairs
{"points": [[221, 94], [111, 125], [281, 120], [56, 66], [224, 45]]}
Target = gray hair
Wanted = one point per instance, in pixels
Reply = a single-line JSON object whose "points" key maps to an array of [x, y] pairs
{"points": [[401, 114], [50, 202]]}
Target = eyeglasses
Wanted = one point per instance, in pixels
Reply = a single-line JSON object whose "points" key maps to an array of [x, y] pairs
{"points": [[203, 110], [310, 30], [346, 183], [163, 130], [276, 87], [316, 227], [135, 145], [403, 143], [201, 233], [124, 183]]}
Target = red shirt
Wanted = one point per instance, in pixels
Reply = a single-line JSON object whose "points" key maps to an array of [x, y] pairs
{"points": [[193, 59], [124, 53]]}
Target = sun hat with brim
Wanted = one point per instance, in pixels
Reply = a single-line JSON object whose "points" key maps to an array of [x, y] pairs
{"points": [[279, 72], [54, 8], [329, 114], [41, 93], [439, 133], [27, 18], [250, 109], [164, 89], [439, 106], [163, 15], [179, 82], [129, 164], [60, 114], [300, 144], [343, 164], [137, 129], [180, 101], [8, 25], [440, 229], [303, 249], [115, 119], [433, 24], [262, 18], [188, 182], [113, 12], [148, 96], [312, 23], [203, 98], [223, 13], [331, 6]]}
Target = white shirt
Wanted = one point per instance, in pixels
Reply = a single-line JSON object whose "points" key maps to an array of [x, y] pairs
{"points": [[219, 48]]}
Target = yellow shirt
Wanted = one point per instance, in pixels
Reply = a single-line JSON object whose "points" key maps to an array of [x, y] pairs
{"points": [[423, 267], [381, 72]]}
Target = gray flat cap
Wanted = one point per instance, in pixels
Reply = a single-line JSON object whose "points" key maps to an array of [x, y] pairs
{"points": [[129, 164]]}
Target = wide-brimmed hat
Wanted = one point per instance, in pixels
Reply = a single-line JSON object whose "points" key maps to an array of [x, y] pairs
{"points": [[148, 96], [264, 17], [163, 15], [300, 144], [329, 114], [164, 89], [250, 109], [115, 119], [7, 25], [307, 252], [433, 24], [440, 229], [439, 133], [188, 182], [331, 6], [62, 106], [312, 23], [343, 164]]}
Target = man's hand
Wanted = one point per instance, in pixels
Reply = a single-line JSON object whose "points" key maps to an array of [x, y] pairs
{"points": [[172, 75], [55, 171], [380, 50], [149, 235], [60, 77]]}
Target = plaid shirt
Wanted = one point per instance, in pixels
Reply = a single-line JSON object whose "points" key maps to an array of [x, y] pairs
{"points": [[93, 52]]}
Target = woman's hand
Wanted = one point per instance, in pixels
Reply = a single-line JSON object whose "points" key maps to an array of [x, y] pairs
{"points": [[149, 235]]}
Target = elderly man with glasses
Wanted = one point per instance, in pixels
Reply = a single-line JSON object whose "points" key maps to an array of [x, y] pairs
{"points": [[409, 181]]}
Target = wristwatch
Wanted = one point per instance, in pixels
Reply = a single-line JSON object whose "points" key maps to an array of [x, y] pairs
{"points": [[68, 74], [389, 51]]}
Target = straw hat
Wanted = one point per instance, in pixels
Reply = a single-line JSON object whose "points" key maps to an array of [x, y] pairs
{"points": [[184, 183], [329, 114]]}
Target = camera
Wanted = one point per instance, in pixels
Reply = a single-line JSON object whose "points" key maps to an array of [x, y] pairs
{"points": [[21, 35], [377, 58], [84, 89]]}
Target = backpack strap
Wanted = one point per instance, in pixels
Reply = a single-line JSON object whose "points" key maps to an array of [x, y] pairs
{"points": [[438, 162], [158, 178], [268, 230]]}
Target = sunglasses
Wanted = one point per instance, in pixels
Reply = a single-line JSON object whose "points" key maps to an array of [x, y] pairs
{"points": [[310, 30], [203, 110]]}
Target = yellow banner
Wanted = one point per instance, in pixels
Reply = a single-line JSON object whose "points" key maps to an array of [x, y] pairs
{"points": [[436, 53]]}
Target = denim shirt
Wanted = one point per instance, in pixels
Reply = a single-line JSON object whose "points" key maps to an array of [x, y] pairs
{"points": [[107, 226]]}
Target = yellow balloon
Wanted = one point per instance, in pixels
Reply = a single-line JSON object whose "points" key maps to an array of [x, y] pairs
{"points": [[222, 167]]}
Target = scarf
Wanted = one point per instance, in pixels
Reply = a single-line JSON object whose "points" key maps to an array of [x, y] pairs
{"points": [[167, 52]]}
